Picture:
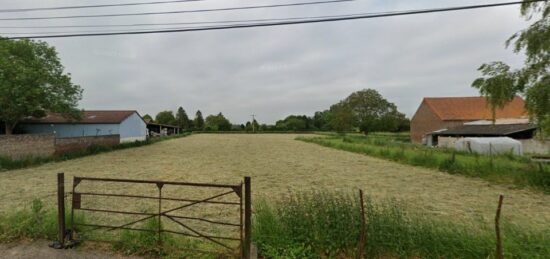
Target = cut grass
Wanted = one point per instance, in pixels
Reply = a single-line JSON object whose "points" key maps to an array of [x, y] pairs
{"points": [[10, 164], [324, 224], [277, 164], [503, 169]]}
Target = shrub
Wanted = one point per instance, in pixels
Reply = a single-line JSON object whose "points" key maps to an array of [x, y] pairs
{"points": [[322, 224], [33, 222]]}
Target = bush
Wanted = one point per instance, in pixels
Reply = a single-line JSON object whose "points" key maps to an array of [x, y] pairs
{"points": [[321, 224], [33, 222]]}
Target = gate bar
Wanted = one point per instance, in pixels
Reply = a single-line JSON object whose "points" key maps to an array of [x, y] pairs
{"points": [[153, 197], [160, 182]]}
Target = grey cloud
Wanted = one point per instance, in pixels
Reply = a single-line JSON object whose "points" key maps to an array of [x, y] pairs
{"points": [[277, 71]]}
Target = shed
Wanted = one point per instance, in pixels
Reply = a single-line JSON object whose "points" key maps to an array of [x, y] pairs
{"points": [[128, 124], [436, 113], [158, 129], [490, 146]]}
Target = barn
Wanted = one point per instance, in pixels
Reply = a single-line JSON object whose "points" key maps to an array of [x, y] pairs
{"points": [[440, 113], [128, 124]]}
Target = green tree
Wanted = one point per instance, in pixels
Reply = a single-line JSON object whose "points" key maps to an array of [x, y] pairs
{"points": [[321, 120], [198, 123], [166, 117], [148, 117], [33, 82], [371, 112], [295, 123], [217, 123], [182, 119], [341, 118], [499, 83]]}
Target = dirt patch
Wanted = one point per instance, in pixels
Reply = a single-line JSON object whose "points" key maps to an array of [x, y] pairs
{"points": [[279, 164], [40, 249]]}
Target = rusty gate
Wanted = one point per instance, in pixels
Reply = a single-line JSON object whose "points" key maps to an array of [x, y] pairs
{"points": [[242, 191]]}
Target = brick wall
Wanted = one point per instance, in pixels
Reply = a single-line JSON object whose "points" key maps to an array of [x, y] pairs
{"points": [[64, 145], [426, 121], [27, 145]]}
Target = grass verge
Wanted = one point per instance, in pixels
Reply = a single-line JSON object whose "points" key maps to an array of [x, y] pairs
{"points": [[10, 164], [502, 169], [321, 224]]}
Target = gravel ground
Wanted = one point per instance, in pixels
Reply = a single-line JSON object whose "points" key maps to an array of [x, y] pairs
{"points": [[40, 249], [277, 164]]}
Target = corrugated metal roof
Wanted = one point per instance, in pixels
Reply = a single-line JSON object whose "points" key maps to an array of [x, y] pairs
{"points": [[88, 117], [473, 108], [486, 130]]}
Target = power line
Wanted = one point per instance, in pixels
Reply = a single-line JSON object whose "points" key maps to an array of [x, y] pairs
{"points": [[174, 12], [251, 25], [183, 23], [92, 6]]}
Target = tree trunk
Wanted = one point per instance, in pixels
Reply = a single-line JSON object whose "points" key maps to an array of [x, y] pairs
{"points": [[9, 128]]}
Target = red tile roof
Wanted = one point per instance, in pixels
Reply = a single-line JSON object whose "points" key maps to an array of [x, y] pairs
{"points": [[473, 108], [88, 117]]}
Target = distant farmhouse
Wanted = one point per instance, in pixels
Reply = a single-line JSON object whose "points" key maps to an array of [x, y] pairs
{"points": [[128, 124], [467, 116]]}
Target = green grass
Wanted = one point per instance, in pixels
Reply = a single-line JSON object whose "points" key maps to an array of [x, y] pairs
{"points": [[10, 164], [32, 222], [321, 224], [502, 169], [37, 222]]}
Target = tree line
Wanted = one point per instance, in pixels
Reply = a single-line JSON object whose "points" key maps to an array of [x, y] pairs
{"points": [[363, 111]]}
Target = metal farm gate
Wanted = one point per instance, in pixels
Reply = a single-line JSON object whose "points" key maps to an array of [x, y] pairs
{"points": [[243, 204]]}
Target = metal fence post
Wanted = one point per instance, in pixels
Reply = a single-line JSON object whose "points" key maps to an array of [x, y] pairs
{"points": [[498, 253], [363, 232], [247, 217], [61, 208]]}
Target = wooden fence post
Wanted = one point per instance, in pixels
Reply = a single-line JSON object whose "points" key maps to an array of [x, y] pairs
{"points": [[247, 217], [61, 208], [499, 253]]}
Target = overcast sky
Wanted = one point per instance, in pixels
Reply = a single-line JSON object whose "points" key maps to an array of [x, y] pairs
{"points": [[276, 71]]}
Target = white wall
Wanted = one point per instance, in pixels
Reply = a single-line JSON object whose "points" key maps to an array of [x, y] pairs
{"points": [[132, 129]]}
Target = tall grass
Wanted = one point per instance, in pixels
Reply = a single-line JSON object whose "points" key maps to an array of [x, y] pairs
{"points": [[327, 225], [502, 169], [32, 222], [10, 164]]}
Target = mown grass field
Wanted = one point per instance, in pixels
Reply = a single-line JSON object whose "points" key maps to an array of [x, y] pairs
{"points": [[278, 164]]}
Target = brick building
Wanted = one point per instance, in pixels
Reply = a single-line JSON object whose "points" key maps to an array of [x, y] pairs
{"points": [[437, 113]]}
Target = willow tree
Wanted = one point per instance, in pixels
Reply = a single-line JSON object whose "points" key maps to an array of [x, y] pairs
{"points": [[500, 83], [33, 82]]}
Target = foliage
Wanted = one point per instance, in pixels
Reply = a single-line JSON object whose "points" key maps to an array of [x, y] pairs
{"points": [[502, 169], [500, 83], [341, 118], [182, 120], [148, 117], [321, 224], [198, 122], [33, 222], [166, 117], [33, 82], [371, 112], [9, 164], [217, 123], [295, 123]]}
